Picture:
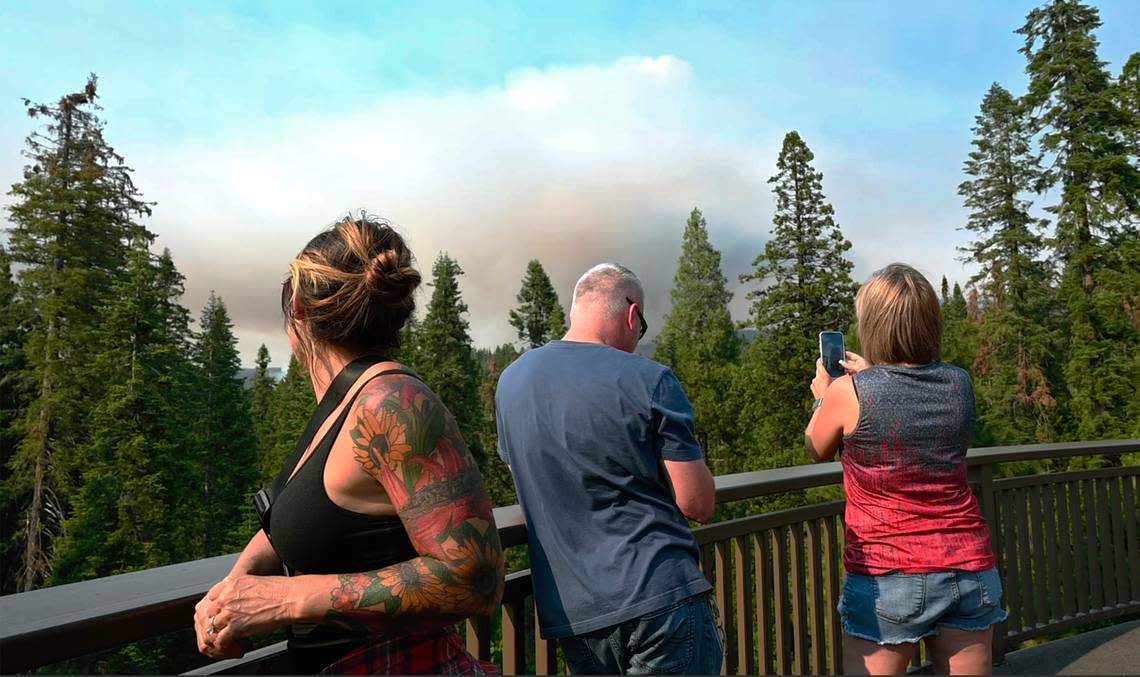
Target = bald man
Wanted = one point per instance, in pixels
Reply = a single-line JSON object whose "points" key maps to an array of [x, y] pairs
{"points": [[601, 446]]}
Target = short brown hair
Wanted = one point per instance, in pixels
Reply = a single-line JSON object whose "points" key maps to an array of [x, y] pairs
{"points": [[900, 319], [355, 285]]}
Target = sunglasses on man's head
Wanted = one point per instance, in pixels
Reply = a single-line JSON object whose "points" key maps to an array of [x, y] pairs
{"points": [[644, 324]]}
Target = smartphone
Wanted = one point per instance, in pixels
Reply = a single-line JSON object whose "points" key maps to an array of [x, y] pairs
{"points": [[831, 351]]}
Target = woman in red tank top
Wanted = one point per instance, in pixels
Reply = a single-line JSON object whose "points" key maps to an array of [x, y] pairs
{"points": [[919, 561]]}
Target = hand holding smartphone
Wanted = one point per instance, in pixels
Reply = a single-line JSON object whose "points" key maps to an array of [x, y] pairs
{"points": [[832, 351]]}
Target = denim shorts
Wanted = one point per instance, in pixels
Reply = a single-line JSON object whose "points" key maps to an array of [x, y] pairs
{"points": [[904, 608]]}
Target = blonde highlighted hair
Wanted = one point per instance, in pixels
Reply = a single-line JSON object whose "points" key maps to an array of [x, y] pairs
{"points": [[355, 287], [900, 319]]}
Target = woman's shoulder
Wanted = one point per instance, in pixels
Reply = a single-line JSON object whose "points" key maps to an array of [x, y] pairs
{"points": [[401, 388], [954, 372], [874, 372], [845, 384]]}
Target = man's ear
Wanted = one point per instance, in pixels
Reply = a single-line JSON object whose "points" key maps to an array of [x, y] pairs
{"points": [[298, 312]]}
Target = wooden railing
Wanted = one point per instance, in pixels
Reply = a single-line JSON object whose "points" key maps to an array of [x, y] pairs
{"points": [[1067, 546]]}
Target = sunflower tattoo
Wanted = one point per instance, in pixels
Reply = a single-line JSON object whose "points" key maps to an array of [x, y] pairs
{"points": [[381, 441]]}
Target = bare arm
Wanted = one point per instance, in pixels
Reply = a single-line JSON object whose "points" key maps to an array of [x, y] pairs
{"points": [[836, 416], [693, 488], [408, 442], [258, 558]]}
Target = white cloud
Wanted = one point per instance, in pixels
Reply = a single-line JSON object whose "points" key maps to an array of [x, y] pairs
{"points": [[568, 165], [571, 165]]}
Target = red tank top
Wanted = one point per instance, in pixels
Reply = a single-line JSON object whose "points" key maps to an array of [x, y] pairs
{"points": [[909, 507]]}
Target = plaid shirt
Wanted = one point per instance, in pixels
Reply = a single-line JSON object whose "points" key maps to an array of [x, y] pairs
{"points": [[437, 652]]}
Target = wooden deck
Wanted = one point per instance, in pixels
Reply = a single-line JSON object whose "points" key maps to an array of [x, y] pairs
{"points": [[1113, 650]]}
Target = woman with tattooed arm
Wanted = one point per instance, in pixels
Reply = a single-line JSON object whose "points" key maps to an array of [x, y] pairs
{"points": [[380, 519]]}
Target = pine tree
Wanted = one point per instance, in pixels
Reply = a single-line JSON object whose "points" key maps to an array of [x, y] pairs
{"points": [[1013, 369], [497, 475], [131, 479], [15, 388], [959, 331], [1083, 129], [73, 218], [539, 317], [182, 379], [292, 405], [698, 339], [1127, 93], [229, 463], [260, 411], [808, 290], [557, 322], [1082, 123], [1128, 246], [408, 354], [448, 362]]}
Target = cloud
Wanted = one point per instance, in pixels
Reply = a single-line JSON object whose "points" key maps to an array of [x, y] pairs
{"points": [[570, 165]]}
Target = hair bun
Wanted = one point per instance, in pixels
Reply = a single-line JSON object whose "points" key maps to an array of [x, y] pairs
{"points": [[388, 276]]}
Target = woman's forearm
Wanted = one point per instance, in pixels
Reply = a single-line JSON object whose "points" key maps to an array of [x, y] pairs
{"points": [[419, 594], [258, 558], [407, 442]]}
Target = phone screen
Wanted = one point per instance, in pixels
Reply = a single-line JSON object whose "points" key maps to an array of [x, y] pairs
{"points": [[831, 350]]}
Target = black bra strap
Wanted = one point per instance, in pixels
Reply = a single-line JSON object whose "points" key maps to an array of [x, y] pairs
{"points": [[264, 499], [332, 397]]}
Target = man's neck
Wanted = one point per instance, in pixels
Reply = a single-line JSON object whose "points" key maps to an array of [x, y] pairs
{"points": [[591, 335], [583, 336]]}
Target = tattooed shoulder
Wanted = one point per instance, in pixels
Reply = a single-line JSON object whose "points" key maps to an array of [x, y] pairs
{"points": [[403, 435]]}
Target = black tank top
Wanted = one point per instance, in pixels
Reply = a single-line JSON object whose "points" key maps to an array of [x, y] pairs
{"points": [[313, 535]]}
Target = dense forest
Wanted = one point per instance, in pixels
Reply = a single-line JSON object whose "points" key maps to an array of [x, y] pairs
{"points": [[129, 441]]}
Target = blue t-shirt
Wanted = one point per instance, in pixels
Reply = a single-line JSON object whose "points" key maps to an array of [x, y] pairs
{"points": [[585, 428]]}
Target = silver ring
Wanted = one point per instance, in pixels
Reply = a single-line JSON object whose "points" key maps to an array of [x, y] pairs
{"points": [[211, 630]]}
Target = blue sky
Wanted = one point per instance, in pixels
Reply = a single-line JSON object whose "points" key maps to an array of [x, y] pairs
{"points": [[570, 132]]}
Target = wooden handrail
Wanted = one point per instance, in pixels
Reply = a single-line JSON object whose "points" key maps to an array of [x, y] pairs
{"points": [[53, 624]]}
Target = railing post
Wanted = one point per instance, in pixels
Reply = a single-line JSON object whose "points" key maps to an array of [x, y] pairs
{"points": [[727, 605], [514, 637], [479, 637], [545, 652], [989, 511]]}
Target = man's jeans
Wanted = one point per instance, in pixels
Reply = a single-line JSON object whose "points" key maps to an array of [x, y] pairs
{"points": [[684, 638]]}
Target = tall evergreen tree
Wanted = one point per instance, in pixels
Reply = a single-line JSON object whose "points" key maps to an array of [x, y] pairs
{"points": [[1013, 370], [73, 218], [136, 505], [1128, 101], [539, 317], [229, 464], [15, 387], [959, 331], [293, 404], [448, 362], [121, 515], [1082, 128], [698, 339], [808, 289], [497, 475], [408, 354], [261, 411], [183, 380]]}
